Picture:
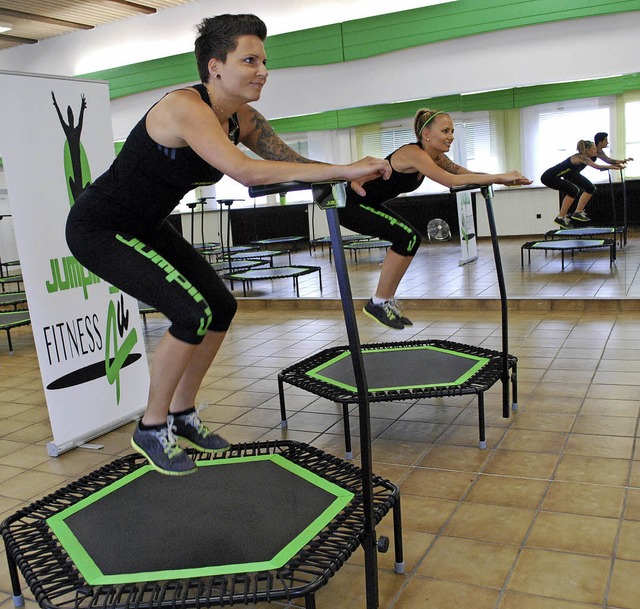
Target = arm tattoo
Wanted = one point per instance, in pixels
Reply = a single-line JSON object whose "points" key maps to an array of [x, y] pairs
{"points": [[448, 165], [265, 143]]}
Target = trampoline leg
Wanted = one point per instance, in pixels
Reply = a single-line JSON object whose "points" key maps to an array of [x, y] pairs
{"points": [[283, 410], [9, 341], [18, 599], [347, 432], [483, 440], [310, 601], [398, 566]]}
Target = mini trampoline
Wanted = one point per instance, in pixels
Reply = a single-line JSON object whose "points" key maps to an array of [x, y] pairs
{"points": [[569, 245], [13, 319], [408, 370], [276, 272], [263, 522], [12, 299], [588, 232]]}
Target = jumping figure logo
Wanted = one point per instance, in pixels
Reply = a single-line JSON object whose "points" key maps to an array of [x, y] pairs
{"points": [[76, 164]]}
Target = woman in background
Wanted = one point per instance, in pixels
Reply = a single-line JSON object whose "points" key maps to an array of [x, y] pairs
{"points": [[369, 215], [566, 177]]}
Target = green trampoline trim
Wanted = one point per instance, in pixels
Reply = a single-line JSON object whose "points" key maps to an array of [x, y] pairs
{"points": [[94, 576], [586, 244], [480, 363], [24, 321]]}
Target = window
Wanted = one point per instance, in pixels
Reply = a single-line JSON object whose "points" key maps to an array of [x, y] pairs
{"points": [[632, 138], [476, 145], [551, 132]]}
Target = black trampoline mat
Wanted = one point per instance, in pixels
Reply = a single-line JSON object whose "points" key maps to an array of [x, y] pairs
{"points": [[401, 368], [233, 515]]}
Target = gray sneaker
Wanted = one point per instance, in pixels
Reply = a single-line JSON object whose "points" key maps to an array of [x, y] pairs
{"points": [[160, 448], [396, 307], [190, 428], [383, 314]]}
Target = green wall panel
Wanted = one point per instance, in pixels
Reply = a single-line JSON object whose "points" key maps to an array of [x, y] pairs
{"points": [[313, 47], [371, 36], [385, 33]]}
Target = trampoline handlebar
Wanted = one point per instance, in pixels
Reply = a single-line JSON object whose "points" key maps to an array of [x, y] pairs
{"points": [[262, 190], [455, 189]]}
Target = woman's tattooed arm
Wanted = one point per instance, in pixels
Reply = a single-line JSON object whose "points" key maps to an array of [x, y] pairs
{"points": [[262, 139]]}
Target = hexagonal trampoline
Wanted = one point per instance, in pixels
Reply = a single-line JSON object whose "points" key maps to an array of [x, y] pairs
{"points": [[401, 371], [262, 522]]}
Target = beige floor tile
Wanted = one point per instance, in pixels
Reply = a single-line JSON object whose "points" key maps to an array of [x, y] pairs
{"points": [[611, 408], [625, 585], [400, 452], [517, 600], [629, 541], [469, 561], [423, 593], [30, 484], [414, 545], [523, 464], [425, 514], [560, 575], [508, 491], [605, 425], [534, 441], [632, 509], [592, 470], [573, 533], [459, 458], [611, 447], [586, 499], [490, 523], [437, 483], [347, 589], [539, 421]]}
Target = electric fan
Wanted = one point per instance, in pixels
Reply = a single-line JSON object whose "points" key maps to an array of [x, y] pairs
{"points": [[438, 230]]}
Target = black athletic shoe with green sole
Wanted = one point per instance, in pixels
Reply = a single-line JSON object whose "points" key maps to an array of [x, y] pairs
{"points": [[160, 448], [383, 314], [188, 427]]}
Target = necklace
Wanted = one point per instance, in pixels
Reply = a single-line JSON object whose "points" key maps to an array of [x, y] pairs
{"points": [[233, 123]]}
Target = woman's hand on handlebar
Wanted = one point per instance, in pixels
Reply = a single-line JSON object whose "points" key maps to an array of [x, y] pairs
{"points": [[365, 170], [514, 178]]}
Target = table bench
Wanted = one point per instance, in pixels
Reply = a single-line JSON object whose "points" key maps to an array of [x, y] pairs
{"points": [[569, 245]]}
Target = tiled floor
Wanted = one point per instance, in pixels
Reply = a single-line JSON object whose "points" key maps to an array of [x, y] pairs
{"points": [[547, 517], [436, 273]]}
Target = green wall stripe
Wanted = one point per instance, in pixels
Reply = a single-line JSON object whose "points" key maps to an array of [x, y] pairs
{"points": [[367, 37], [312, 47], [493, 100], [385, 33]]}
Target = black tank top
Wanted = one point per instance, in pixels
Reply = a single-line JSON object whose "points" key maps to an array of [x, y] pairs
{"points": [[147, 181], [565, 167], [381, 190]]}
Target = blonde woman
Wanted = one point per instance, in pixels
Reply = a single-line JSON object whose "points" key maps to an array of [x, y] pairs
{"points": [[410, 164], [565, 177]]}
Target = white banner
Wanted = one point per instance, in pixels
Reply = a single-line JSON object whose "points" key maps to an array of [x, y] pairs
{"points": [[468, 245], [55, 138]]}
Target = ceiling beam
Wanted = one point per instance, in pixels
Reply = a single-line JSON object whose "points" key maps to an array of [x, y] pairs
{"points": [[8, 13], [17, 39], [136, 6]]}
